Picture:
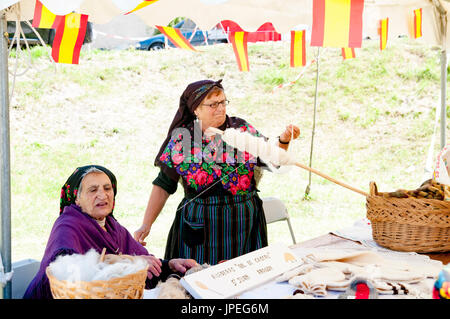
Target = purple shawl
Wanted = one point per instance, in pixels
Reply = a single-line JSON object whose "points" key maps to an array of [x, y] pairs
{"points": [[76, 232]]}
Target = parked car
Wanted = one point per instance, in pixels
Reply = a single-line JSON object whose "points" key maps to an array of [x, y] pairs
{"points": [[187, 27]]}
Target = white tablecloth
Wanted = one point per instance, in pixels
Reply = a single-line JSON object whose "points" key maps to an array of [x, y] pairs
{"points": [[360, 232]]}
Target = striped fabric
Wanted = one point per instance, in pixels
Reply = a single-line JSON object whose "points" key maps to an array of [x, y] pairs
{"points": [[384, 27], [239, 41], [298, 48], [217, 228], [348, 53], [69, 37], [417, 31], [43, 18], [176, 37], [337, 23]]}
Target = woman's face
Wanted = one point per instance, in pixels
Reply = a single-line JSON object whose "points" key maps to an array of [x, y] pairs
{"points": [[210, 113], [97, 195]]}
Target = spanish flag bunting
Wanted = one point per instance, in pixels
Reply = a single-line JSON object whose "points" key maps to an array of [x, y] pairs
{"points": [[176, 37], [239, 41], [417, 31], [43, 18], [141, 5], [384, 27], [348, 53], [337, 23], [298, 48], [69, 38]]}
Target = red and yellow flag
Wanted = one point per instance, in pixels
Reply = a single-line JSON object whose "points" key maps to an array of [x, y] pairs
{"points": [[141, 5], [348, 53], [298, 48], [417, 23], [176, 37], [337, 23], [69, 38], [239, 41], [383, 30], [43, 18]]}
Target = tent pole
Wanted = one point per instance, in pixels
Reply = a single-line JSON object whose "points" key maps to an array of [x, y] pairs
{"points": [[5, 179], [308, 188], [443, 96]]}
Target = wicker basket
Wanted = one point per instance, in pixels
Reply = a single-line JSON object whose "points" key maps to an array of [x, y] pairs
{"points": [[130, 286], [409, 224]]}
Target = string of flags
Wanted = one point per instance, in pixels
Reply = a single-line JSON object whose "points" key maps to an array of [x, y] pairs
{"points": [[335, 23], [70, 30], [282, 85]]}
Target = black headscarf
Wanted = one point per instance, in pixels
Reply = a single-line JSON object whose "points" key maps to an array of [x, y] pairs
{"points": [[191, 98], [70, 188]]}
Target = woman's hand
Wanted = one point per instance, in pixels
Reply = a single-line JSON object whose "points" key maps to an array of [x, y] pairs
{"points": [[141, 234], [154, 266], [291, 131], [181, 265]]}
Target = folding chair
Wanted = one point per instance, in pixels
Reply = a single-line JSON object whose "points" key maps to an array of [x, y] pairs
{"points": [[23, 272], [275, 210]]}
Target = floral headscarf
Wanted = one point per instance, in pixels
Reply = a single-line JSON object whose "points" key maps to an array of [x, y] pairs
{"points": [[70, 188]]}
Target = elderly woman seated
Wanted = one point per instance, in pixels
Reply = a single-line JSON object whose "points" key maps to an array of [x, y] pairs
{"points": [[86, 221]]}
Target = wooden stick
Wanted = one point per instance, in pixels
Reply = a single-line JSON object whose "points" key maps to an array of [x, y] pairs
{"points": [[331, 179]]}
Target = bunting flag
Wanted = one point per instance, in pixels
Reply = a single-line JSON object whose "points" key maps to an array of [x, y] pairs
{"points": [[141, 5], [69, 38], [337, 23], [348, 53], [282, 85], [239, 41], [176, 37], [43, 18], [417, 31], [298, 48], [384, 27]]}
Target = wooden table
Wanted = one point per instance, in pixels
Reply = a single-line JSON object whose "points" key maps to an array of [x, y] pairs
{"points": [[330, 240]]}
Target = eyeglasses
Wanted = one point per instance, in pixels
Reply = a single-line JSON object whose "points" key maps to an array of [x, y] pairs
{"points": [[215, 105]]}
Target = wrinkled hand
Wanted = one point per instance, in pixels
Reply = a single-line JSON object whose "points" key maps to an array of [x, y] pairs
{"points": [[181, 265], [291, 131], [141, 234], [154, 266]]}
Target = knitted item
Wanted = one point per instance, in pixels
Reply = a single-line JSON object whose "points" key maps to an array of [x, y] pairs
{"points": [[360, 288], [441, 288]]}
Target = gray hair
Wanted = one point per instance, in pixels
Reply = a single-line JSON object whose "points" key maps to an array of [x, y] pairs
{"points": [[89, 171]]}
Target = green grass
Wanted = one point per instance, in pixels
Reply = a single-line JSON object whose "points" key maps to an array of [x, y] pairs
{"points": [[374, 122]]}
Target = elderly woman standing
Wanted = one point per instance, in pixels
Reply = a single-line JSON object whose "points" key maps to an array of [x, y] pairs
{"points": [[221, 215], [86, 222]]}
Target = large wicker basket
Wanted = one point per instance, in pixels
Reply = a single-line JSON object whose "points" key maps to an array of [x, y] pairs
{"points": [[409, 224], [126, 287]]}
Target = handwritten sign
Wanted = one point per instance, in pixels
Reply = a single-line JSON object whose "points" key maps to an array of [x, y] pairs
{"points": [[230, 278]]}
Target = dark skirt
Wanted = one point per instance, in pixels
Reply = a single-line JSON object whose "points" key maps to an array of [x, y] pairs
{"points": [[217, 228]]}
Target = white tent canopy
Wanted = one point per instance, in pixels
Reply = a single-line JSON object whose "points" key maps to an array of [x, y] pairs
{"points": [[249, 14]]}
